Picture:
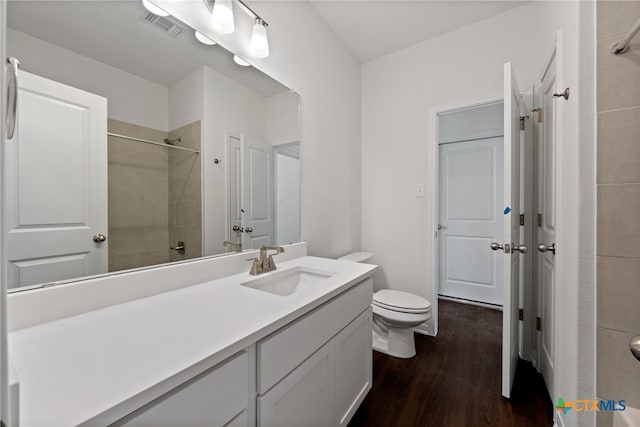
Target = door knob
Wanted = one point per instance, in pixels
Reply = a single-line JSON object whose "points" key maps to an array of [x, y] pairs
{"points": [[544, 248], [523, 249], [237, 228], [248, 229], [99, 238], [495, 246], [180, 247]]}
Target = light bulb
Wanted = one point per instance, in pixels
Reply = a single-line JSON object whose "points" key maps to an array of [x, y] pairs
{"points": [[153, 8], [204, 39], [259, 43], [222, 17], [240, 61]]}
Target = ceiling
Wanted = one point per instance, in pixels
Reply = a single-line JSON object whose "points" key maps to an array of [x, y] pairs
{"points": [[372, 28], [115, 33]]}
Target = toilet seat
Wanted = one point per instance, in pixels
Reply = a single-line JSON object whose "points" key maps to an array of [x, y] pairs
{"points": [[402, 302], [401, 318]]}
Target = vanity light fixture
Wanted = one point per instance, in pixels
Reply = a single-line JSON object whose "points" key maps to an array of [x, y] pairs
{"points": [[259, 43], [153, 8], [204, 39], [222, 22], [222, 17], [240, 61]]}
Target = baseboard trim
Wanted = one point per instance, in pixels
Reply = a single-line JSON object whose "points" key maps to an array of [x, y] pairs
{"points": [[470, 302]]}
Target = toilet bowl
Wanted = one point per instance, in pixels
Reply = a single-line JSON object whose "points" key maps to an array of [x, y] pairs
{"points": [[395, 314]]}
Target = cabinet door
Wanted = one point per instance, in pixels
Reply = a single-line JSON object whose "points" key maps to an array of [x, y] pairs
{"points": [[353, 355], [217, 397], [305, 397]]}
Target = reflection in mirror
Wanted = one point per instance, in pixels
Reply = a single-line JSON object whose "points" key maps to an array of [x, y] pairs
{"points": [[137, 145]]}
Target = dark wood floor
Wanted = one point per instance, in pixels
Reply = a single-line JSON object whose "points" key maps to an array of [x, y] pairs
{"points": [[454, 380]]}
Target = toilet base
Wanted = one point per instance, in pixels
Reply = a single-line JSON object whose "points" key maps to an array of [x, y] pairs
{"points": [[396, 342]]}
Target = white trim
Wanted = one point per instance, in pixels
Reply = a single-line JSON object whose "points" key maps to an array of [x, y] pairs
{"points": [[227, 180], [529, 230], [4, 389], [471, 302]]}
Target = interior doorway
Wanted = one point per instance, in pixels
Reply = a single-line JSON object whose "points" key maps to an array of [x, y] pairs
{"points": [[470, 164]]}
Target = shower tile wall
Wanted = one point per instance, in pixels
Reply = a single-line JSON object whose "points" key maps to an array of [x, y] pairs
{"points": [[618, 183], [185, 206], [138, 198]]}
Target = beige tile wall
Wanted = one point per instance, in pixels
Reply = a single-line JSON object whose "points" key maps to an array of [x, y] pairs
{"points": [[618, 181], [185, 205], [138, 198]]}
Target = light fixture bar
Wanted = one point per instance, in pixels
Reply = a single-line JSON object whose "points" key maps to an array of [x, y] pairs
{"points": [[243, 6], [250, 11]]}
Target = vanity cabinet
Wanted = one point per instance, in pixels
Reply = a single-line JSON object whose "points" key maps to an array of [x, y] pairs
{"points": [[354, 369], [305, 396], [220, 396], [317, 370]]}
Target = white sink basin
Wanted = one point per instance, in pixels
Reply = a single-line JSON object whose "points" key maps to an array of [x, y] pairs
{"points": [[286, 282]]}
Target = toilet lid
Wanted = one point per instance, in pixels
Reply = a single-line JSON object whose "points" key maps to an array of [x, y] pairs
{"points": [[401, 301]]}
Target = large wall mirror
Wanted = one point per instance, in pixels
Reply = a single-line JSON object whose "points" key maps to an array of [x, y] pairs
{"points": [[137, 145]]}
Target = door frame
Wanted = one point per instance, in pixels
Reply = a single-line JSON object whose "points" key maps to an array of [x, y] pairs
{"points": [[554, 54], [228, 135], [434, 191], [4, 382]]}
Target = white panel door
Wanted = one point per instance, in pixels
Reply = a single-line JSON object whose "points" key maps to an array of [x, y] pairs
{"points": [[511, 268], [305, 397], [257, 193], [56, 184], [471, 185], [547, 224]]}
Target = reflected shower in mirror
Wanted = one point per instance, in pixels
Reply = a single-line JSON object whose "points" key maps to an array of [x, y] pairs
{"points": [[138, 145]]}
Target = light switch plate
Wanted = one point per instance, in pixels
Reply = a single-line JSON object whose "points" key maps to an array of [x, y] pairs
{"points": [[419, 190]]}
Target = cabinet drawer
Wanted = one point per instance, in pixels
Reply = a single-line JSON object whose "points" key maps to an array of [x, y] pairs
{"points": [[217, 397], [281, 352], [305, 397]]}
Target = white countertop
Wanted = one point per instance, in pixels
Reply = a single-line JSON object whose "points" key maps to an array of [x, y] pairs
{"points": [[96, 367]]}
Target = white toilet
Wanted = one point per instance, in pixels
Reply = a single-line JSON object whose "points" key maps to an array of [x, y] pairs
{"points": [[395, 314]]}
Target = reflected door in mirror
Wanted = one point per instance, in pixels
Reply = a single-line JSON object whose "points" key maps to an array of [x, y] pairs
{"points": [[56, 184]]}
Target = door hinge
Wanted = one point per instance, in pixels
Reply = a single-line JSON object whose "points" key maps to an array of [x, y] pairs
{"points": [[521, 219], [539, 220], [538, 112], [521, 122], [521, 314], [538, 324]]}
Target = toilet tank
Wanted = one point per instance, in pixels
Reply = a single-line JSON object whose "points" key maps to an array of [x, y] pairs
{"points": [[357, 257]]}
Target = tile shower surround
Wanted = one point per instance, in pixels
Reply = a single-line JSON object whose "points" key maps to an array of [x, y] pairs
{"points": [[148, 185]]}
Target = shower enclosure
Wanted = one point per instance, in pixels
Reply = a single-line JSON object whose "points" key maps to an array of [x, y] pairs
{"points": [[154, 193]]}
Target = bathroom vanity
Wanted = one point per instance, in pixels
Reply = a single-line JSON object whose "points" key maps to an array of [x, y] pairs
{"points": [[291, 346]]}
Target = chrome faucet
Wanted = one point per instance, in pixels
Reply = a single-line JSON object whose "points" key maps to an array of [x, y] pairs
{"points": [[265, 263], [236, 246]]}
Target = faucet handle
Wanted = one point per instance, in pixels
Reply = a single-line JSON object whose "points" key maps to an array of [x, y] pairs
{"points": [[255, 267]]}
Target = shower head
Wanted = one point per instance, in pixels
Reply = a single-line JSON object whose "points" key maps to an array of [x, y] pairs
{"points": [[172, 141]]}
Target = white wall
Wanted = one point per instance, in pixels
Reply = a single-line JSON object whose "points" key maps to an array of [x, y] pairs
{"points": [[131, 99], [186, 100], [283, 118], [401, 91], [229, 108], [308, 57]]}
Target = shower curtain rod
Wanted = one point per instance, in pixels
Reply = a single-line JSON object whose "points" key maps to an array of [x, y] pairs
{"points": [[622, 46], [146, 141]]}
